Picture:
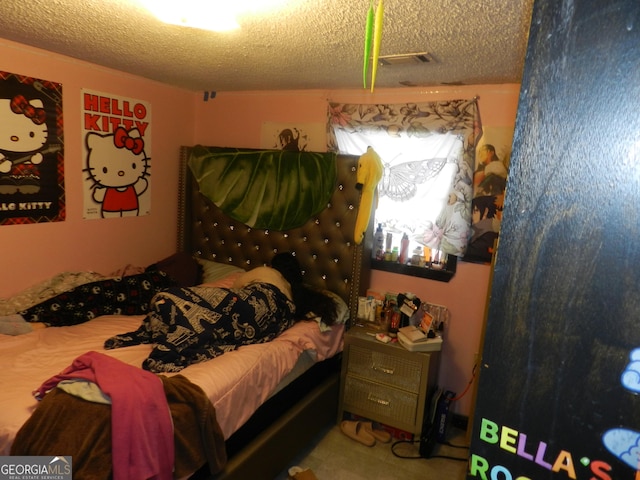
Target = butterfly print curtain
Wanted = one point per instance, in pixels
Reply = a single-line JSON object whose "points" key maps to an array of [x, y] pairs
{"points": [[428, 150]]}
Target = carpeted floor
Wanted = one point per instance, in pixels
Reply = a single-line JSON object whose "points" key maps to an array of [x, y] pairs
{"points": [[334, 456]]}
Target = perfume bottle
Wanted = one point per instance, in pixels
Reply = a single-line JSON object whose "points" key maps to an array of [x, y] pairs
{"points": [[378, 244], [404, 250], [389, 242]]}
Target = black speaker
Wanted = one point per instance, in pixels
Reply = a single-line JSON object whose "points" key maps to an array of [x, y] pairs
{"points": [[436, 420]]}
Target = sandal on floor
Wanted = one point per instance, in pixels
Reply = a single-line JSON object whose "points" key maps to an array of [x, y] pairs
{"points": [[357, 432], [298, 473], [377, 433]]}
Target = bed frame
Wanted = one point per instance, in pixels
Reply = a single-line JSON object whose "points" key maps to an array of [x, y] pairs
{"points": [[330, 260]]}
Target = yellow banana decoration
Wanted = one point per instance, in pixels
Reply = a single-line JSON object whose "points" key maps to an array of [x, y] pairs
{"points": [[370, 170]]}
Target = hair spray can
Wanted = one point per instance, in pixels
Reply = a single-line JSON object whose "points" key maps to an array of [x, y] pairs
{"points": [[404, 249], [389, 242]]}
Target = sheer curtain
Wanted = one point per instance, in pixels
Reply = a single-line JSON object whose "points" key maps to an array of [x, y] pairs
{"points": [[428, 150]]}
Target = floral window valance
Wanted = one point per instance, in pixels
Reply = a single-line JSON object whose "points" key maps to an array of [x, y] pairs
{"points": [[429, 154]]}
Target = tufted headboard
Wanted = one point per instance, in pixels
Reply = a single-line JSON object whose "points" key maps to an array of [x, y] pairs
{"points": [[324, 246]]}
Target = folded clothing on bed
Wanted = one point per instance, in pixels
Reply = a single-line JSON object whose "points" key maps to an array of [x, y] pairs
{"points": [[101, 444], [141, 424]]}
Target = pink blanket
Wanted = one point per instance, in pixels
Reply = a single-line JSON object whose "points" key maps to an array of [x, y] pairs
{"points": [[141, 427], [237, 383]]}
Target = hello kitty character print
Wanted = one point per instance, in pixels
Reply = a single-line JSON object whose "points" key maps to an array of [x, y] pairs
{"points": [[23, 135], [118, 166]]}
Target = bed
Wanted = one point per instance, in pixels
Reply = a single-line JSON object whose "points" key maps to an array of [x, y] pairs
{"points": [[270, 399]]}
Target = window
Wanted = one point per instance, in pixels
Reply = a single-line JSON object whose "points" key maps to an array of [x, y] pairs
{"points": [[429, 155]]}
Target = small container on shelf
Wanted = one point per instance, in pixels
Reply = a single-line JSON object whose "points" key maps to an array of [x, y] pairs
{"points": [[438, 259], [427, 256], [404, 250], [417, 259]]}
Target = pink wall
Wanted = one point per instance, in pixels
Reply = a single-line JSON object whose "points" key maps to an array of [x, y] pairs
{"points": [[31, 253], [235, 119]]}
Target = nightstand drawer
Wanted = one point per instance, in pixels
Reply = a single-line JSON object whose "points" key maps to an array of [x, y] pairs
{"points": [[385, 368], [380, 400]]}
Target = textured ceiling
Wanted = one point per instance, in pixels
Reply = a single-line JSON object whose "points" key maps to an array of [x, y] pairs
{"points": [[304, 44]]}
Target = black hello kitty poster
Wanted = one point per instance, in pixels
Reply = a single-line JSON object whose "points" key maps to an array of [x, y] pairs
{"points": [[31, 150]]}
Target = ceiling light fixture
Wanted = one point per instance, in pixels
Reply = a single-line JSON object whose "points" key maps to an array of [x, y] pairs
{"points": [[205, 14]]}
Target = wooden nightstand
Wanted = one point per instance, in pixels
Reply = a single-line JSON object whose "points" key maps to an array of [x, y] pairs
{"points": [[385, 382]]}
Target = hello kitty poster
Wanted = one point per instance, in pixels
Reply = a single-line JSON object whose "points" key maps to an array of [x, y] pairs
{"points": [[116, 138], [31, 150]]}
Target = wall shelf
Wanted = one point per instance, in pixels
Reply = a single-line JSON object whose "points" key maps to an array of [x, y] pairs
{"points": [[443, 275]]}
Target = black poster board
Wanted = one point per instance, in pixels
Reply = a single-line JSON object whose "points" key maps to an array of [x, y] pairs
{"points": [[31, 150], [560, 373]]}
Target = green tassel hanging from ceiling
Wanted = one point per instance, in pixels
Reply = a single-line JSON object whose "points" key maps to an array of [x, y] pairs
{"points": [[368, 38], [377, 40], [372, 42]]}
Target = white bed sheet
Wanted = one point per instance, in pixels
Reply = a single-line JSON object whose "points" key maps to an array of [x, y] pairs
{"points": [[237, 383]]}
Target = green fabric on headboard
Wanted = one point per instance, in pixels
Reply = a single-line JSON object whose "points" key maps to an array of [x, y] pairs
{"points": [[265, 189]]}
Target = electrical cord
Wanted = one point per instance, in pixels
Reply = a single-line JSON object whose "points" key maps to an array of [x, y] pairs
{"points": [[394, 444], [449, 444], [473, 376]]}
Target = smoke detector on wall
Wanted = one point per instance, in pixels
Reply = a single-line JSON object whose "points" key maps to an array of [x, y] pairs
{"points": [[405, 58]]}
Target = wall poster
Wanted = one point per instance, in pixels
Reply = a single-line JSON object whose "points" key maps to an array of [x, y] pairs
{"points": [[116, 139], [493, 154], [31, 150], [306, 137]]}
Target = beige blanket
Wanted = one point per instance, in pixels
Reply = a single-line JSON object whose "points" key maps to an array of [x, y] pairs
{"points": [[66, 425]]}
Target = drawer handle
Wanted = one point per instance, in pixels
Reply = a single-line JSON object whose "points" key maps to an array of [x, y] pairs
{"points": [[388, 371], [380, 401]]}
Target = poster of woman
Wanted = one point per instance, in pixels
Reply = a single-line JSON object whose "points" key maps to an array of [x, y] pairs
{"points": [[489, 185]]}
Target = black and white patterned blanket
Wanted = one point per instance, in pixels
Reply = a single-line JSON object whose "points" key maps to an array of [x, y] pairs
{"points": [[191, 325]]}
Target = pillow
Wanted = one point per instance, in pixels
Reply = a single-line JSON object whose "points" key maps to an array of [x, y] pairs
{"points": [[213, 271], [224, 282], [342, 312], [180, 267]]}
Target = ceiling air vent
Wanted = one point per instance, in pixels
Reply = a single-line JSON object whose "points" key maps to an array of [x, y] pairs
{"points": [[406, 58]]}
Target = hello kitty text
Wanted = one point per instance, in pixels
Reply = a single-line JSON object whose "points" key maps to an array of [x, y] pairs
{"points": [[12, 206], [111, 113]]}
